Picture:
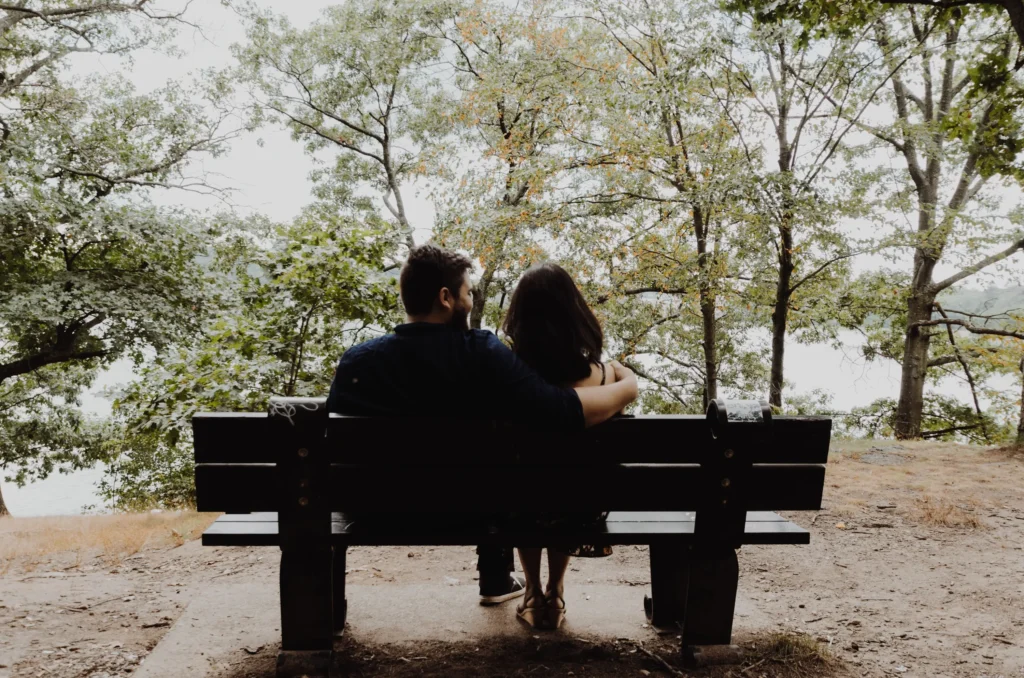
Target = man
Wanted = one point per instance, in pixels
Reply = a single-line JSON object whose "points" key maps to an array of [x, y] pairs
{"points": [[434, 365]]}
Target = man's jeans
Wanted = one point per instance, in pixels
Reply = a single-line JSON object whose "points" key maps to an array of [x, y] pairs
{"points": [[494, 564]]}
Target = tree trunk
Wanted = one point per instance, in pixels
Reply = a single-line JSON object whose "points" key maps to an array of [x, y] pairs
{"points": [[780, 313], [1020, 421], [915, 368], [707, 306], [779, 320], [919, 308], [480, 292], [3, 506], [783, 285]]}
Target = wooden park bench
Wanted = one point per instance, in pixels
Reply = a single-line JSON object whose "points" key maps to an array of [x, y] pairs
{"points": [[694, 489]]}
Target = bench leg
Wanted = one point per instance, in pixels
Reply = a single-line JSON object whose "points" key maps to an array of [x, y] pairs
{"points": [[694, 589], [666, 606], [711, 597], [338, 590], [307, 633]]}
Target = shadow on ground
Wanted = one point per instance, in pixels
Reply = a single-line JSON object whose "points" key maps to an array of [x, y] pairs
{"points": [[767, 656]]}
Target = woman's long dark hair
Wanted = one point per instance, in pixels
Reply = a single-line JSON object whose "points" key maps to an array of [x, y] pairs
{"points": [[551, 327]]}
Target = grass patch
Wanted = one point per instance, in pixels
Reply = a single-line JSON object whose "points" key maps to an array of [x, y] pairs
{"points": [[791, 655], [942, 513], [29, 542]]}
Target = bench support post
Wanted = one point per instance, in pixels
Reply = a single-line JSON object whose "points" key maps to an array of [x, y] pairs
{"points": [[695, 586], [340, 603], [298, 427], [710, 597], [307, 633], [693, 589], [666, 606]]}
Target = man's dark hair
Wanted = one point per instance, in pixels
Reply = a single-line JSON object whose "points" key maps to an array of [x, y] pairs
{"points": [[426, 271]]}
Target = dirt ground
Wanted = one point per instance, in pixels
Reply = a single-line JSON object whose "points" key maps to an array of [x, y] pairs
{"points": [[915, 568]]}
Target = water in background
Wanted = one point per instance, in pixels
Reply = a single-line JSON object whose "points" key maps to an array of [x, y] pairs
{"points": [[69, 493], [60, 494], [843, 373]]}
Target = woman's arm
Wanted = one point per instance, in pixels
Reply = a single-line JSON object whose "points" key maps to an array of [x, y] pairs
{"points": [[601, 403], [595, 377]]}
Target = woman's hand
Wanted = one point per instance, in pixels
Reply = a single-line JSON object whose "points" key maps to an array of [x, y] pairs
{"points": [[623, 373]]}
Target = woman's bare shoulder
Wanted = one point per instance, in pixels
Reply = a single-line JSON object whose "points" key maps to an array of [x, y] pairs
{"points": [[595, 376]]}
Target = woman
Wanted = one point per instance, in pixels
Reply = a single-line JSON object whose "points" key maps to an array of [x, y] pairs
{"points": [[554, 331]]}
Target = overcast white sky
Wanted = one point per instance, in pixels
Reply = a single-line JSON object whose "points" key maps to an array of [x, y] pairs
{"points": [[272, 179]]}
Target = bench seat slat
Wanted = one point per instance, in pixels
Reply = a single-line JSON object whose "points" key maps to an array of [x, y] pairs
{"points": [[614, 516], [241, 437], [620, 529], [242, 488]]}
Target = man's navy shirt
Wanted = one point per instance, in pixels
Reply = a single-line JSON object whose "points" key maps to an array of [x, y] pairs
{"points": [[433, 370]]}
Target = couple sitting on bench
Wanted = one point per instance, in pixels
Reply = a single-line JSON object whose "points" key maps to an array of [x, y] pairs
{"points": [[435, 366]]}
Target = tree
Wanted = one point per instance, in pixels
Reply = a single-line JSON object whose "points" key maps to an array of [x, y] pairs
{"points": [[658, 211], [285, 303], [953, 120], [358, 81], [90, 271], [954, 136], [1020, 421], [518, 101], [797, 99], [41, 428]]}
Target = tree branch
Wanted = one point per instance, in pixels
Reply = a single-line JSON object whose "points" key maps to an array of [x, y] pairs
{"points": [[973, 329], [34, 362], [1014, 8], [984, 263], [825, 265], [935, 434], [963, 364]]}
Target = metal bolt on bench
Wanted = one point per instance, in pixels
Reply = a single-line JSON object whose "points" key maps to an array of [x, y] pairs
{"points": [[694, 489]]}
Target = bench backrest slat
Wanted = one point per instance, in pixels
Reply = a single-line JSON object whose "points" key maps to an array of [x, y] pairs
{"points": [[255, 487], [229, 437]]}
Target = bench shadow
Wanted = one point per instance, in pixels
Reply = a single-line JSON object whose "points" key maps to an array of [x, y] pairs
{"points": [[773, 655]]}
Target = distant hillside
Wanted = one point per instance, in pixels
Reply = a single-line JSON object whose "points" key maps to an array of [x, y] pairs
{"points": [[985, 302]]}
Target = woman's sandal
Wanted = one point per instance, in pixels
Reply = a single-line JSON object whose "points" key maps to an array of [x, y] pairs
{"points": [[532, 611], [556, 611]]}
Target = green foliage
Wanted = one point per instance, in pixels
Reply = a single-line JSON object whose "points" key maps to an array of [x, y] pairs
{"points": [[845, 18], [90, 270], [358, 81], [285, 303], [41, 427], [152, 474]]}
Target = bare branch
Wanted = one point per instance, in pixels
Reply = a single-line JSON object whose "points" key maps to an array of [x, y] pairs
{"points": [[984, 263], [973, 329], [1014, 8], [963, 364], [825, 265]]}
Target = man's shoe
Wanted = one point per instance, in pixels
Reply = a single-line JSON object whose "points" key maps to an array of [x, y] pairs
{"points": [[507, 589]]}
